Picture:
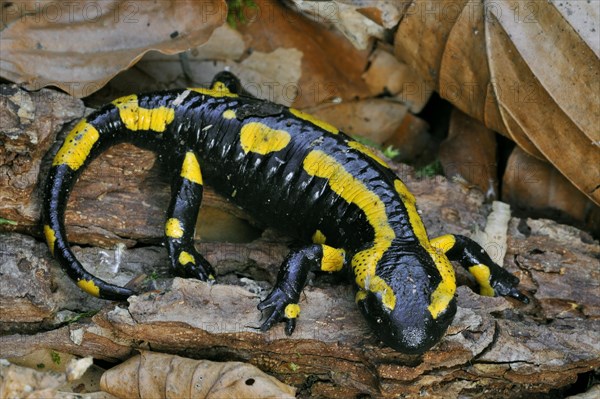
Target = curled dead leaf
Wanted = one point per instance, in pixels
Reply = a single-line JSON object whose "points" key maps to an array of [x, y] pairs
{"points": [[152, 375], [536, 187], [529, 70], [331, 67], [470, 152], [388, 75], [358, 20], [79, 46]]}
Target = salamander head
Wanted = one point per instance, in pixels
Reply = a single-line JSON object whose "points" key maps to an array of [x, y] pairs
{"points": [[403, 319]]}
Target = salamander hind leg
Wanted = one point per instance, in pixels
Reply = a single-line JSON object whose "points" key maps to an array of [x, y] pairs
{"points": [[283, 300], [492, 279], [183, 210]]}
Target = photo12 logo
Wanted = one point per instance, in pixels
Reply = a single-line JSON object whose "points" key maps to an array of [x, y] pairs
{"points": [[71, 11]]}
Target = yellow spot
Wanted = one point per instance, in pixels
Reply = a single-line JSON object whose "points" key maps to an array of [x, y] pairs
{"points": [[229, 114], [333, 259], [367, 151], [218, 90], [89, 286], [444, 292], [318, 237], [185, 258], [173, 228], [77, 145], [360, 296], [50, 237], [482, 276], [377, 285], [319, 164], [220, 86], [410, 202], [137, 118], [292, 310], [444, 243], [260, 138], [322, 124], [191, 169]]}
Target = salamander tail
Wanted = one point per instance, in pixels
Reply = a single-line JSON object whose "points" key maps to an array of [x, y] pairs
{"points": [[81, 145]]}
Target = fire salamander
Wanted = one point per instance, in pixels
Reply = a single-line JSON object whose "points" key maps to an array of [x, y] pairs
{"points": [[290, 170]]}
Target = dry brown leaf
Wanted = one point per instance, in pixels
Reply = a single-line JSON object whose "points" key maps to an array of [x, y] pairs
{"points": [[272, 76], [529, 70], [331, 66], [375, 119], [358, 20], [535, 186], [470, 152], [79, 46], [412, 139], [388, 75], [153, 375]]}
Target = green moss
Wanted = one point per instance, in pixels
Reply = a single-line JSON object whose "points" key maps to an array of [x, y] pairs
{"points": [[82, 315], [236, 12], [293, 366], [55, 357], [390, 151], [430, 170]]}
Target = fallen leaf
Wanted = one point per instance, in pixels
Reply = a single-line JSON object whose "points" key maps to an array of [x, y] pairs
{"points": [[470, 152], [356, 26], [538, 188], [152, 375], [375, 119], [271, 76], [529, 70], [331, 67], [79, 46], [390, 76], [412, 139]]}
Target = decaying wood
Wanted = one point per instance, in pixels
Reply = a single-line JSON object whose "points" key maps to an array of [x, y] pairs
{"points": [[494, 345]]}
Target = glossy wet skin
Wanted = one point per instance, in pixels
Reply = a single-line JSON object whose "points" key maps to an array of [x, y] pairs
{"points": [[409, 327], [294, 172]]}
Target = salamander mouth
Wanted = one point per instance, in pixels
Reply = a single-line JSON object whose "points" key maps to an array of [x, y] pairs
{"points": [[409, 332]]}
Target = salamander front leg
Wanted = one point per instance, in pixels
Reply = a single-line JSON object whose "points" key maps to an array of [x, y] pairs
{"points": [[283, 299], [183, 210], [491, 278]]}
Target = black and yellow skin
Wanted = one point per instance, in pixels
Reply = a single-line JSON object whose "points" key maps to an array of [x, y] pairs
{"points": [[298, 174]]}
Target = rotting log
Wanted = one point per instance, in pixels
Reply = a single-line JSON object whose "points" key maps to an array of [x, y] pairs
{"points": [[494, 344]]}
